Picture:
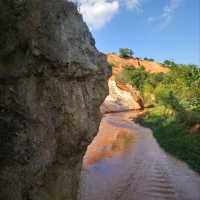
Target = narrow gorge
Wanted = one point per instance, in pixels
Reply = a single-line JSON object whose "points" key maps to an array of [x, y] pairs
{"points": [[52, 82], [78, 124]]}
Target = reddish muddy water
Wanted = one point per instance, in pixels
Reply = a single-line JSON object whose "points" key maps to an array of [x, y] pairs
{"points": [[124, 162]]}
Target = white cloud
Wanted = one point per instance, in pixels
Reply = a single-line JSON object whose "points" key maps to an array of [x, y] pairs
{"points": [[169, 11], [97, 13], [167, 14], [132, 3]]}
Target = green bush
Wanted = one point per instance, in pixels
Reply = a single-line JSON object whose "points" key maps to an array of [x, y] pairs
{"points": [[110, 66], [173, 136], [134, 76], [176, 99], [149, 59], [126, 53], [148, 95], [178, 90], [169, 63]]}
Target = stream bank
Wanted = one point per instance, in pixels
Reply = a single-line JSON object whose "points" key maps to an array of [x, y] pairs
{"points": [[114, 169]]}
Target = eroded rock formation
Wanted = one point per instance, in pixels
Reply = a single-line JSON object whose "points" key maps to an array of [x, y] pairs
{"points": [[52, 81], [121, 97]]}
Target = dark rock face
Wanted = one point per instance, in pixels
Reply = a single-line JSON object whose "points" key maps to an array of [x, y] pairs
{"points": [[52, 82]]}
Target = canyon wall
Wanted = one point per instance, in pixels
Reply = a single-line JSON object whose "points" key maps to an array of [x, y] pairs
{"points": [[52, 82]]}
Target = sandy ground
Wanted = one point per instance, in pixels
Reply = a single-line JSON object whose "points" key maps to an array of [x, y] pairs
{"points": [[124, 162], [122, 63]]}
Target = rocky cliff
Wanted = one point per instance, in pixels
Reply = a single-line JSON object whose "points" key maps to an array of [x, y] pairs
{"points": [[122, 97], [52, 81]]}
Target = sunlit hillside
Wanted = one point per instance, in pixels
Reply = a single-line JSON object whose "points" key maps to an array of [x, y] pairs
{"points": [[119, 63], [171, 94]]}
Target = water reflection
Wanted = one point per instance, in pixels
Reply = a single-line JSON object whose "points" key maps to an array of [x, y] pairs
{"points": [[124, 162], [113, 139]]}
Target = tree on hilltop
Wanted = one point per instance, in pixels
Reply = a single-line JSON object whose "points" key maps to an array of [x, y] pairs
{"points": [[126, 53], [169, 63]]}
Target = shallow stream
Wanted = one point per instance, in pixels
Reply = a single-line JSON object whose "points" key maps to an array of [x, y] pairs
{"points": [[125, 162]]}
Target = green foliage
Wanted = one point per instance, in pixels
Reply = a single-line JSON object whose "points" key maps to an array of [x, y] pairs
{"points": [[111, 65], [176, 99], [173, 136], [184, 81], [179, 89], [149, 59], [169, 63], [134, 76], [126, 52]]}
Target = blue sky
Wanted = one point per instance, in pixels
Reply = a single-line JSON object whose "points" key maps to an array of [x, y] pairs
{"points": [[159, 29]]}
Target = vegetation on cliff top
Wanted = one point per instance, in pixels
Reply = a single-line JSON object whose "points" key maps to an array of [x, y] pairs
{"points": [[126, 53], [175, 113]]}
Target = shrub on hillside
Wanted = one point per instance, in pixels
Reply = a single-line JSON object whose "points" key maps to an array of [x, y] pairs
{"points": [[149, 59], [126, 53], [177, 90], [134, 76], [111, 65], [169, 63], [176, 96]]}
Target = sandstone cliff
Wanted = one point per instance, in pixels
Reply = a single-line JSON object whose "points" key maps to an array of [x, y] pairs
{"points": [[52, 81], [121, 97]]}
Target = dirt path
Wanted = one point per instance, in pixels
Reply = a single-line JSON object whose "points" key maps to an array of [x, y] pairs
{"points": [[124, 162]]}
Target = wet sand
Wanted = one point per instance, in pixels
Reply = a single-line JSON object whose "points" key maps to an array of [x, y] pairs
{"points": [[125, 162]]}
